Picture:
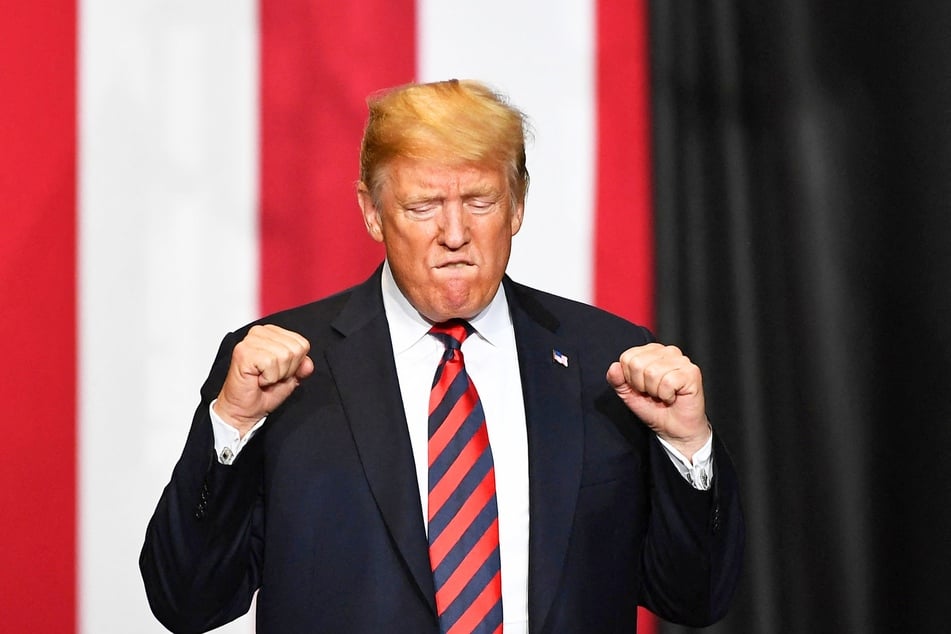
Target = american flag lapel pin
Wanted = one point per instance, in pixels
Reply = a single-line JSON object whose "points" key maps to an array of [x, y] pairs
{"points": [[558, 357]]}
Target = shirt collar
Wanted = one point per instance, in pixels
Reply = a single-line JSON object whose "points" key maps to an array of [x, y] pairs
{"points": [[407, 326]]}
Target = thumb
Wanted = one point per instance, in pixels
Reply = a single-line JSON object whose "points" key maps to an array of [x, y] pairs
{"points": [[615, 378], [305, 369]]}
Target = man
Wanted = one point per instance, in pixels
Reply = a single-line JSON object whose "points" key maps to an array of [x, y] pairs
{"points": [[573, 454]]}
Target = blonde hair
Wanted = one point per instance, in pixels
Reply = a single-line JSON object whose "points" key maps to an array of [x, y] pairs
{"points": [[454, 122]]}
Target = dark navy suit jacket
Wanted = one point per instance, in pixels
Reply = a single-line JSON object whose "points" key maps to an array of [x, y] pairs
{"points": [[321, 509]]}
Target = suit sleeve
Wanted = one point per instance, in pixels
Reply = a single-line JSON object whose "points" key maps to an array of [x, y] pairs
{"points": [[694, 549], [201, 558]]}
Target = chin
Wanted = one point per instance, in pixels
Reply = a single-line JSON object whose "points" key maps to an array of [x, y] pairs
{"points": [[455, 308]]}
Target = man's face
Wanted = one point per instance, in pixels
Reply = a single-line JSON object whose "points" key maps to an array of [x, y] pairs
{"points": [[447, 233]]}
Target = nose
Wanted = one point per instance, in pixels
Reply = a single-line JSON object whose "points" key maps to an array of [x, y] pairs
{"points": [[454, 227]]}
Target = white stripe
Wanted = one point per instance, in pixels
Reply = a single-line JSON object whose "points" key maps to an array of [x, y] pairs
{"points": [[168, 259], [542, 57], [543, 60]]}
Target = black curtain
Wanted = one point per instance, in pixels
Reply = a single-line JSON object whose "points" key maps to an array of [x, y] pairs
{"points": [[803, 178]]}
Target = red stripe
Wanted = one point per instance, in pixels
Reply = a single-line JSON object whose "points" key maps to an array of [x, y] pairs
{"points": [[486, 600], [319, 61], [453, 421], [450, 371], [38, 318], [624, 247], [468, 567], [463, 519], [463, 464]]}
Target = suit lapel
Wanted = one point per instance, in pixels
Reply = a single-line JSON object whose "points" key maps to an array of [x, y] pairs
{"points": [[365, 374], [553, 413]]}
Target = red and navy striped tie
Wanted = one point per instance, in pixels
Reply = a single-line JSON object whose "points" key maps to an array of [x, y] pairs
{"points": [[463, 513]]}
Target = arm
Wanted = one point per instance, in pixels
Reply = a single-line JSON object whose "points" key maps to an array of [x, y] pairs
{"points": [[201, 560], [693, 550]]}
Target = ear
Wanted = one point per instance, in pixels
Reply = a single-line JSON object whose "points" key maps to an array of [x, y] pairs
{"points": [[517, 215], [371, 215]]}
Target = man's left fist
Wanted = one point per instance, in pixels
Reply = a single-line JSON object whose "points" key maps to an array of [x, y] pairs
{"points": [[665, 390]]}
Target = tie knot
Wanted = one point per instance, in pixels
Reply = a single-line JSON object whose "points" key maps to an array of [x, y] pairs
{"points": [[452, 333]]}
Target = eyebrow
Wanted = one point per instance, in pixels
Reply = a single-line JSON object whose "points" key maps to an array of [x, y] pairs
{"points": [[416, 200], [478, 192], [427, 197]]}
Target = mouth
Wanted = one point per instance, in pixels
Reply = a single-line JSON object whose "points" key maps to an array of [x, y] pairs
{"points": [[454, 265]]}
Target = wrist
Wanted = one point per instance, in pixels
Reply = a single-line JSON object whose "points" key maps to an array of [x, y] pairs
{"points": [[229, 416], [688, 446]]}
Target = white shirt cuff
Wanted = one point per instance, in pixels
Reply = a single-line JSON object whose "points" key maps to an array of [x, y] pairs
{"points": [[228, 440], [699, 472]]}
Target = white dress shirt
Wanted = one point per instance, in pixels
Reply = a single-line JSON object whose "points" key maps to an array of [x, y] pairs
{"points": [[492, 364]]}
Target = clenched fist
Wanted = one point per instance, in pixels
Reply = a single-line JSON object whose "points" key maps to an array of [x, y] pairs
{"points": [[665, 390], [266, 366]]}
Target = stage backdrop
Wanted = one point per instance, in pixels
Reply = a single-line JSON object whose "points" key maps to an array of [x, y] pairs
{"points": [[171, 170], [803, 207]]}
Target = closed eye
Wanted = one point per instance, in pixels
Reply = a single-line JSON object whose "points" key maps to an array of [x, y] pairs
{"points": [[422, 210], [481, 205]]}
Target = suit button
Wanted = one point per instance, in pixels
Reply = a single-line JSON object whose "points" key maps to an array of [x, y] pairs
{"points": [[203, 505], [715, 525]]}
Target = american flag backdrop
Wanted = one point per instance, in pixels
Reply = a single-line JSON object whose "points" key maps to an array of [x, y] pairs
{"points": [[170, 170]]}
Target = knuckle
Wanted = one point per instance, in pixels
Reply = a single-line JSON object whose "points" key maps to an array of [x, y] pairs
{"points": [[268, 365], [653, 373], [667, 382]]}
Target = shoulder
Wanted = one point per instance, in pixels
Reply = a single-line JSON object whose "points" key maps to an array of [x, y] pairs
{"points": [[324, 320], [316, 313], [571, 317]]}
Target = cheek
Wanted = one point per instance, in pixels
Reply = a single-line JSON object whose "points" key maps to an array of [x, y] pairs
{"points": [[497, 247], [408, 248]]}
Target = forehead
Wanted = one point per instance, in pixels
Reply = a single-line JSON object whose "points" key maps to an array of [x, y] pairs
{"points": [[408, 177]]}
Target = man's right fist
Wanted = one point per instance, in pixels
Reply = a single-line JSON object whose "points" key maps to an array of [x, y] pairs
{"points": [[266, 366]]}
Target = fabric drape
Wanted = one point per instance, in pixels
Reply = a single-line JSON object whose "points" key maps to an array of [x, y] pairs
{"points": [[802, 156]]}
